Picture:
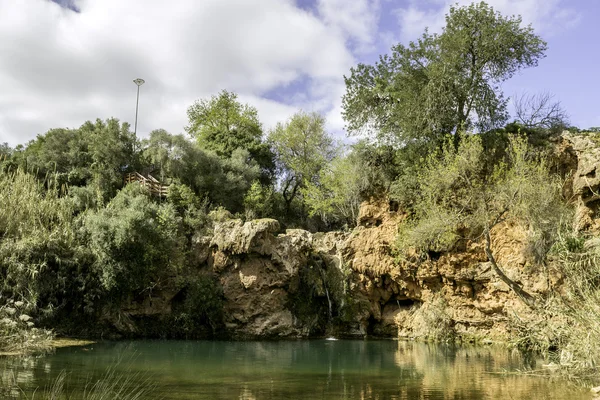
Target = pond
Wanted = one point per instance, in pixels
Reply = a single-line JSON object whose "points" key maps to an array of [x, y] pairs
{"points": [[312, 369]]}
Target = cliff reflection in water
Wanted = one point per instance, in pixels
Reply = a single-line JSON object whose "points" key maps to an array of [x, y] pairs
{"points": [[291, 370]]}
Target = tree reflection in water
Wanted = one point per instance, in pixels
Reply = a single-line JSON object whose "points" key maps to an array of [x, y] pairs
{"points": [[320, 369]]}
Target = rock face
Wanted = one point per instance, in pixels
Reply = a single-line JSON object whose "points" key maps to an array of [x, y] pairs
{"points": [[258, 271], [350, 284], [585, 154], [299, 284]]}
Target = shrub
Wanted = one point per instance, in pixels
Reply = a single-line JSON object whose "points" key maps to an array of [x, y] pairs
{"points": [[135, 241]]}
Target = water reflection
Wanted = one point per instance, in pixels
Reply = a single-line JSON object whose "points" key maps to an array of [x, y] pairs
{"points": [[291, 370]]}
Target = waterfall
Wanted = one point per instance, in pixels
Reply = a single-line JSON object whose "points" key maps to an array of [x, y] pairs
{"points": [[328, 301], [327, 294]]}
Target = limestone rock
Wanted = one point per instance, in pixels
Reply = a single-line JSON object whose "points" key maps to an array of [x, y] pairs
{"points": [[585, 187], [258, 271], [236, 237]]}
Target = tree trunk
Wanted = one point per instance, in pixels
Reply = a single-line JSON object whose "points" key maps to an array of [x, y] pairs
{"points": [[528, 299]]}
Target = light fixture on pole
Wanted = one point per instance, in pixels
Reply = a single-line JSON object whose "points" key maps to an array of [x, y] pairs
{"points": [[139, 82]]}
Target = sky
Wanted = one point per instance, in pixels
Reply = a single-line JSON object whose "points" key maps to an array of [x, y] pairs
{"points": [[63, 62]]}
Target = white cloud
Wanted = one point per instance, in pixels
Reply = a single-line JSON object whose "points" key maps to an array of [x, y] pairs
{"points": [[356, 20], [59, 68], [546, 16]]}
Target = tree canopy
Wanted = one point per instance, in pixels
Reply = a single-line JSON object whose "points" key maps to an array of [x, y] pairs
{"points": [[442, 82], [222, 124], [303, 148]]}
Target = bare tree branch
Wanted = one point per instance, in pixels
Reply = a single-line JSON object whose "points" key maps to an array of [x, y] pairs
{"points": [[540, 111]]}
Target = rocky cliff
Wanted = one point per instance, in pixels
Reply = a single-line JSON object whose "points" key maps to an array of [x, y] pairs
{"points": [[298, 284]]}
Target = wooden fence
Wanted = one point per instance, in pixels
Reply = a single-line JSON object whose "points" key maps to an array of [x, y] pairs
{"points": [[154, 186]]}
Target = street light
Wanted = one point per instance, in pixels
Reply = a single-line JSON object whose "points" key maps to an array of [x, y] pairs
{"points": [[139, 82]]}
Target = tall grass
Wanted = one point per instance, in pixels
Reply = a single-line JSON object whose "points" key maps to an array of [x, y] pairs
{"points": [[567, 325], [112, 385], [35, 227], [579, 260]]}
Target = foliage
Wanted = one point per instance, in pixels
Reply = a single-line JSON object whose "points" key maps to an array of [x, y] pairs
{"points": [[337, 194], [222, 124], [578, 258], [382, 164], [136, 242], [95, 154], [303, 148], [190, 208], [239, 172], [260, 201], [460, 195], [5, 150], [568, 323], [167, 153], [223, 181], [36, 239], [203, 304], [442, 83]]}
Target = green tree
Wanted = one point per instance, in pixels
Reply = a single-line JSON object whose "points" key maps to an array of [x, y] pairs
{"points": [[63, 152], [96, 154], [5, 150], [260, 201], [303, 148], [222, 124], [5, 156], [111, 147], [442, 82], [337, 194], [222, 180]]}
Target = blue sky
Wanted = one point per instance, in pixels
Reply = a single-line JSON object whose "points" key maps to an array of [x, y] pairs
{"points": [[65, 61]]}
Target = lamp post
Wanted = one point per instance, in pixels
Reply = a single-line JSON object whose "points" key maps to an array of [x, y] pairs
{"points": [[139, 82]]}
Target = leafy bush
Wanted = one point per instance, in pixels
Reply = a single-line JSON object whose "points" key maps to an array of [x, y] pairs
{"points": [[461, 196], [135, 241], [203, 304]]}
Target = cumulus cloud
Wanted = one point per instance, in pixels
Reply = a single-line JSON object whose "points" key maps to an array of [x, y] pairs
{"points": [[356, 20], [60, 68], [546, 16]]}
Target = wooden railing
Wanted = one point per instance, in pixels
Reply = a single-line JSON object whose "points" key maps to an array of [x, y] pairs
{"points": [[154, 186]]}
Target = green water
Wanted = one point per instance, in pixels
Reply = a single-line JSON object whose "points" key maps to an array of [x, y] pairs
{"points": [[317, 369]]}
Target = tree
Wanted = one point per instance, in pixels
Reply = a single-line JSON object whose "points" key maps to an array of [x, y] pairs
{"points": [[5, 150], [337, 194], [97, 154], [5, 156], [303, 148], [111, 150], [540, 111], [169, 154], [222, 124], [222, 180], [442, 82]]}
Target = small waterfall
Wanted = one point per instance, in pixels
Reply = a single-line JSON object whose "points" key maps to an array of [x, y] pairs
{"points": [[328, 302], [330, 314]]}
